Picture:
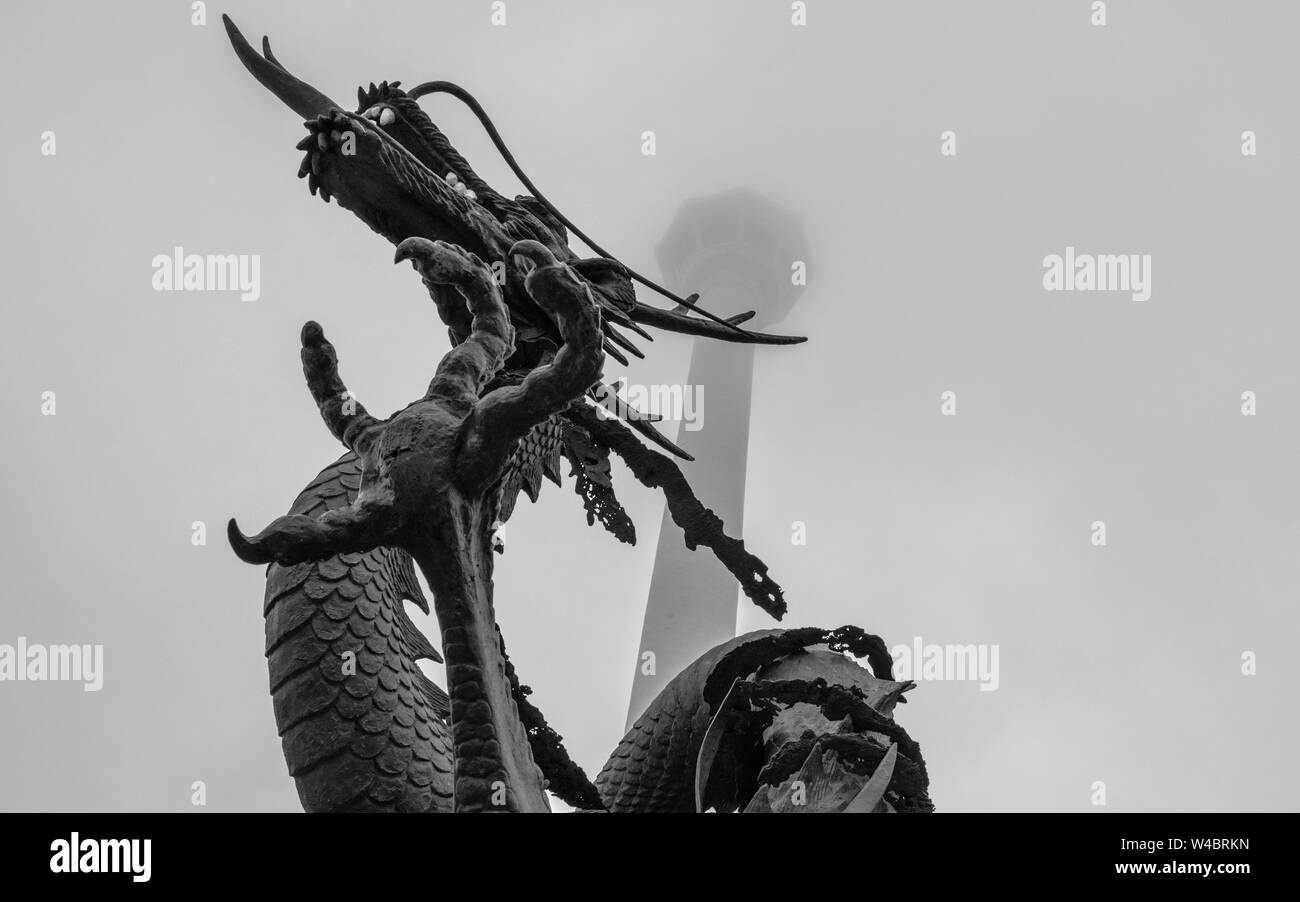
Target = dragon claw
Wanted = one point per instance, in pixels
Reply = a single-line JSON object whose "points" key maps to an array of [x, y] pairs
{"points": [[439, 261], [245, 549], [296, 538], [533, 251], [312, 334], [563, 286], [279, 543]]}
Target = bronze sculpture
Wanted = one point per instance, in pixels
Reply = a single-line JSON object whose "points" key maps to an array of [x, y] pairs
{"points": [[775, 720]]}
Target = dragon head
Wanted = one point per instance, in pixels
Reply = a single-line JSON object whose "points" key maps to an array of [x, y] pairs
{"points": [[394, 168], [398, 113]]}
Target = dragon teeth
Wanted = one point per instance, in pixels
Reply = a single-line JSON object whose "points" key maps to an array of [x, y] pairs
{"points": [[460, 187], [382, 114]]}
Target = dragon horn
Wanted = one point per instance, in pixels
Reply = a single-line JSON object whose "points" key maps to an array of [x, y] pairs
{"points": [[270, 57], [300, 97]]}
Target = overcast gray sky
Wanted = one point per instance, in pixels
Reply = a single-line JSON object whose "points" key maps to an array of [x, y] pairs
{"points": [[1119, 664]]}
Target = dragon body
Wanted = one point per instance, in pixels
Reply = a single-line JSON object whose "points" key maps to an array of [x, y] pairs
{"points": [[378, 739], [374, 738], [362, 728]]}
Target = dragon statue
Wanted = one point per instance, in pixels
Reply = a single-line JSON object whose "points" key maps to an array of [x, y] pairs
{"points": [[776, 720]]}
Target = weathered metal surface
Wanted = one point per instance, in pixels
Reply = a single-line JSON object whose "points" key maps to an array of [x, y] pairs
{"points": [[530, 324]]}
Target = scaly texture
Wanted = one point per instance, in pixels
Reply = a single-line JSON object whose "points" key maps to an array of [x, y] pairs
{"points": [[429, 484], [653, 768], [537, 455], [395, 170], [374, 739]]}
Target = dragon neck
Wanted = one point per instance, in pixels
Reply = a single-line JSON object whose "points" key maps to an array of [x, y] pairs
{"points": [[494, 766]]}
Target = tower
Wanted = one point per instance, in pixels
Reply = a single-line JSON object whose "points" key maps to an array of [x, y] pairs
{"points": [[737, 250]]}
